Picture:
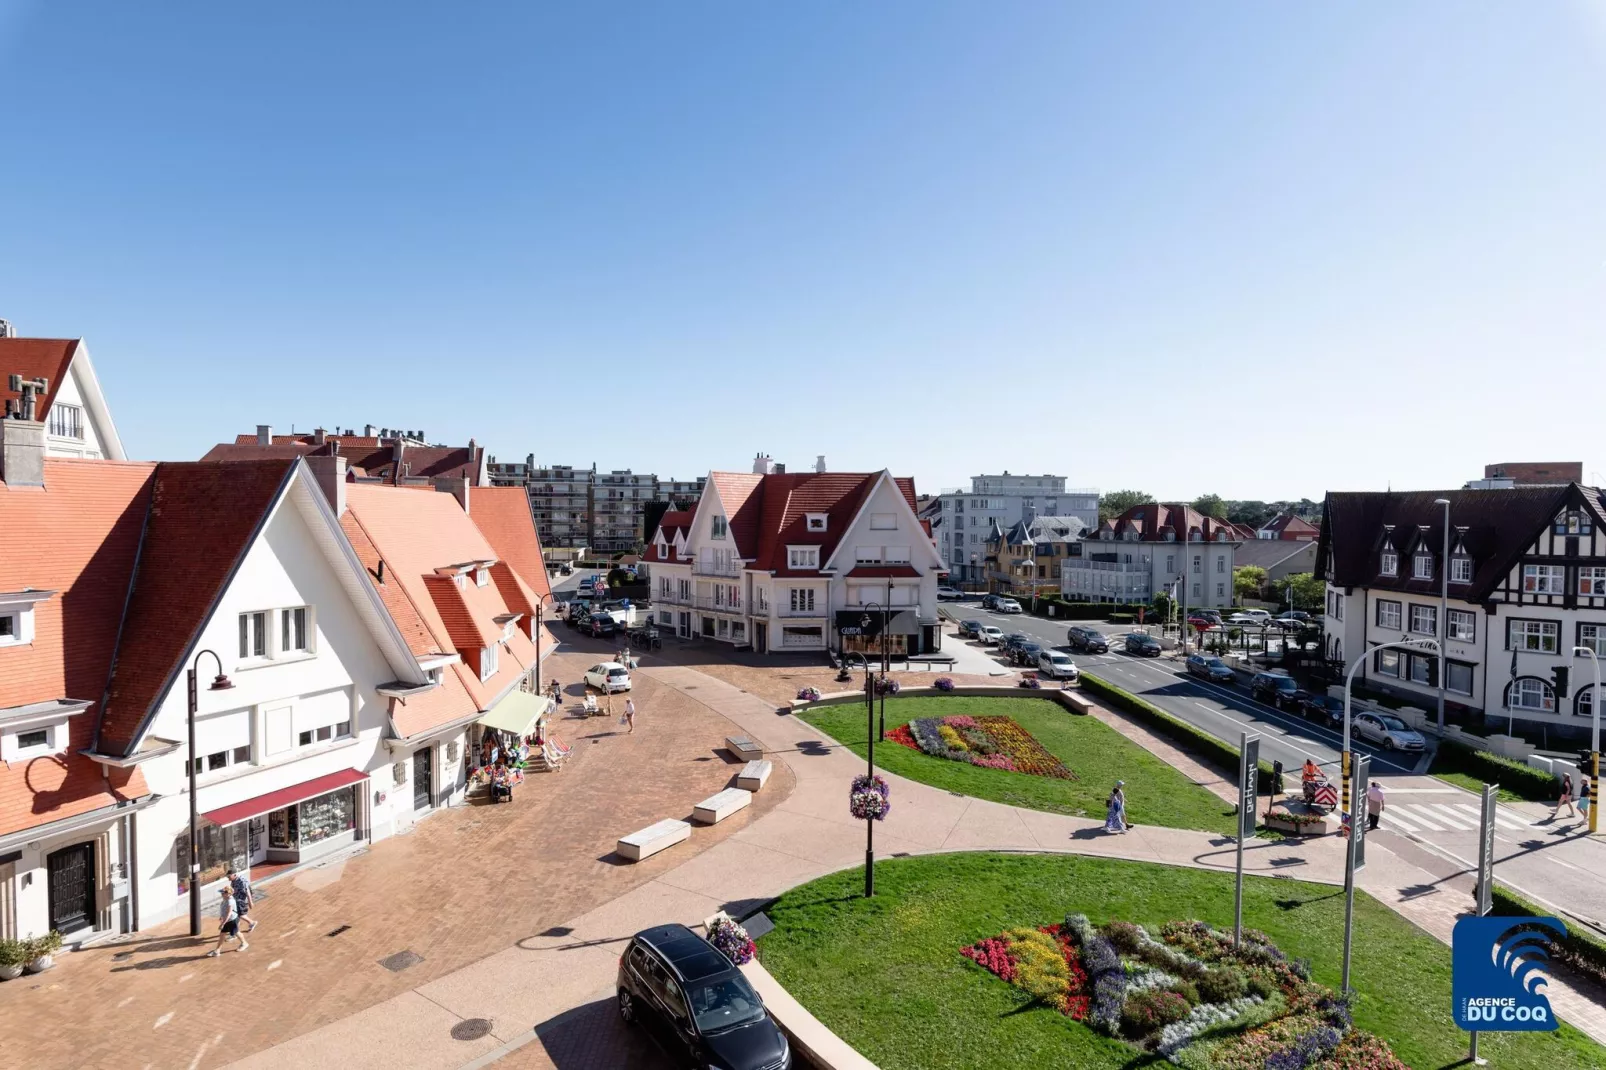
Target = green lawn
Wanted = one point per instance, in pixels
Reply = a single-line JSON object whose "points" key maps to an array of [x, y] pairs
{"points": [[886, 973], [1473, 784], [1156, 794]]}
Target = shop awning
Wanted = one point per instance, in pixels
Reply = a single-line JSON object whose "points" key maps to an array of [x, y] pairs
{"points": [[234, 813], [517, 713]]}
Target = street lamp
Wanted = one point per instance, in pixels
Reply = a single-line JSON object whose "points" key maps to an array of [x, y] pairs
{"points": [[1349, 678], [540, 603], [869, 742], [864, 626], [1594, 739], [219, 683], [1444, 599]]}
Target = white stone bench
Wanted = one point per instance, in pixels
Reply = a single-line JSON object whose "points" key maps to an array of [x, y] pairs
{"points": [[652, 839], [744, 748], [719, 806], [753, 775]]}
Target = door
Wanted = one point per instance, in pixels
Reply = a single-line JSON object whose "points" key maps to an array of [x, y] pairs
{"points": [[256, 840], [761, 638], [72, 887], [423, 762], [685, 625]]}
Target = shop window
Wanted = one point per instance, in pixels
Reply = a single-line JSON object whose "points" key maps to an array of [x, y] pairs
{"points": [[219, 849]]}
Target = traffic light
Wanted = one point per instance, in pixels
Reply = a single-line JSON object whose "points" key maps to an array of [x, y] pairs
{"points": [[1433, 672], [1558, 677], [1276, 778]]}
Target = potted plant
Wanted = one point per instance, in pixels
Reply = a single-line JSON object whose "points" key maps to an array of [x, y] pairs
{"points": [[13, 956], [944, 683], [41, 951], [809, 694], [732, 939]]}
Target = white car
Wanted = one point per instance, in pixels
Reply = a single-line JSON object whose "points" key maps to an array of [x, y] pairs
{"points": [[990, 636], [1007, 605], [1056, 665], [609, 676], [1243, 620], [949, 594], [1387, 729], [1260, 616]]}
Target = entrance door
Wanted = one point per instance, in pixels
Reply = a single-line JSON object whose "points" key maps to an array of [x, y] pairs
{"points": [[72, 887], [685, 625], [423, 761], [761, 638]]}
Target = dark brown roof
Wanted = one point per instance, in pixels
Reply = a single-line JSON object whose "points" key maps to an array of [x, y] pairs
{"points": [[1153, 520], [1500, 525], [203, 516], [364, 456]]}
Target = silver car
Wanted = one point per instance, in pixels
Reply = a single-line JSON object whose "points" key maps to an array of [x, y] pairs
{"points": [[1389, 730]]}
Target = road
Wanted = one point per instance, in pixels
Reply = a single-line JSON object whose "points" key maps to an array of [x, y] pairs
{"points": [[1427, 819]]}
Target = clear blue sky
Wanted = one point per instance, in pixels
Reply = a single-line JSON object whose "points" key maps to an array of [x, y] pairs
{"points": [[1254, 248]]}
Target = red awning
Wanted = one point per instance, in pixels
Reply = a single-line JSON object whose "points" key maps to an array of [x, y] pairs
{"points": [[275, 800], [884, 572]]}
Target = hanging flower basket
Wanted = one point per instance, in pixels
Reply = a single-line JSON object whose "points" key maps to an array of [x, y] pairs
{"points": [[809, 694], [944, 683], [869, 798], [885, 686], [733, 941]]}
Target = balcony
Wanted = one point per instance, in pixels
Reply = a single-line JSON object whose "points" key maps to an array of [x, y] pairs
{"points": [[786, 610], [719, 605], [711, 567], [671, 597]]}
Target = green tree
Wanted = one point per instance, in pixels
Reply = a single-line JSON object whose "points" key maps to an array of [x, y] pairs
{"points": [[1116, 502], [1211, 505], [1248, 581], [1310, 593], [1252, 513], [1164, 606]]}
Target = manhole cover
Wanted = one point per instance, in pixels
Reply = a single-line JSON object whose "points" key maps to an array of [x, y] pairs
{"points": [[471, 1029], [401, 960]]}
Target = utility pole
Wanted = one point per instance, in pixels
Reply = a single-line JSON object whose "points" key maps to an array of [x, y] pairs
{"points": [[1444, 604]]}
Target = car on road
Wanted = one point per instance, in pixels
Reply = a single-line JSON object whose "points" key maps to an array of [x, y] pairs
{"points": [[1210, 667], [1204, 619], [1007, 605], [1244, 620], [600, 624], [949, 594], [1324, 710], [970, 629], [1387, 729], [1145, 646], [991, 635], [1053, 664], [1086, 640], [1274, 686], [1026, 654], [989, 601], [695, 1004], [1012, 640], [608, 676]]}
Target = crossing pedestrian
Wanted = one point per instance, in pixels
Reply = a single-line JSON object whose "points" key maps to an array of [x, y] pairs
{"points": [[1583, 797], [1374, 804], [1115, 809], [244, 898], [228, 922], [630, 714], [1566, 798]]}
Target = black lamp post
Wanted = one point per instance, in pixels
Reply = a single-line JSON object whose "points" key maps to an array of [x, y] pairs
{"points": [[864, 626], [540, 604], [219, 683], [869, 737]]}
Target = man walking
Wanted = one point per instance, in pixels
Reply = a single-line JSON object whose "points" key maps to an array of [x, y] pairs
{"points": [[630, 714], [1374, 804], [228, 923], [244, 898]]}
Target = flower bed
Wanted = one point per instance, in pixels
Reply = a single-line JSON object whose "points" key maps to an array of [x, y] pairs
{"points": [[1188, 996], [989, 742]]}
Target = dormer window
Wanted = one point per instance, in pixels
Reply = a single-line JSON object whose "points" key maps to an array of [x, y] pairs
{"points": [[815, 521], [803, 557], [16, 616], [1388, 563], [717, 526], [482, 576], [1572, 522], [1461, 569], [1422, 565]]}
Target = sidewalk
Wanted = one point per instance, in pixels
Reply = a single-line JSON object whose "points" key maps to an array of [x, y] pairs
{"points": [[570, 970]]}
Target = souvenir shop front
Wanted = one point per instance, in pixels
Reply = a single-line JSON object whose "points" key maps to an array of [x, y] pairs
{"points": [[285, 827], [502, 742]]}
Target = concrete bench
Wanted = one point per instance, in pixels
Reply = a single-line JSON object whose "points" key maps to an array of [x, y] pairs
{"points": [[753, 775], [720, 805], [652, 839], [744, 748]]}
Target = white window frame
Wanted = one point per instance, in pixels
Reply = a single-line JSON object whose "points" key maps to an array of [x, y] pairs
{"points": [[718, 526], [802, 599], [1533, 636], [1543, 579], [803, 557], [1422, 565], [817, 521], [1390, 615], [1462, 626], [482, 576], [1520, 690], [1594, 637], [1385, 658], [1592, 580], [287, 623], [490, 661], [1388, 563], [255, 635], [1449, 676], [1461, 569], [1419, 613], [67, 421]]}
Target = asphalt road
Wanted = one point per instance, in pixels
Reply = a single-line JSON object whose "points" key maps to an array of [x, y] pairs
{"points": [[1433, 822]]}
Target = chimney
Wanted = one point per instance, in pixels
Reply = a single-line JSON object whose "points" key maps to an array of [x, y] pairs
{"points": [[7, 330], [819, 463], [456, 486], [398, 449], [368, 430], [330, 474], [22, 453], [762, 465], [319, 436], [264, 434]]}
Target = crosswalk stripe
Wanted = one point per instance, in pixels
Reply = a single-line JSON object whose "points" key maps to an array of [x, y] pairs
{"points": [[1392, 819], [1506, 820], [1454, 818], [1419, 819]]}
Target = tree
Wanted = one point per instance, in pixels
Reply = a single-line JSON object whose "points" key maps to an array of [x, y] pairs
{"points": [[1116, 502], [1248, 581], [1164, 606], [1252, 513], [1211, 505], [1310, 593]]}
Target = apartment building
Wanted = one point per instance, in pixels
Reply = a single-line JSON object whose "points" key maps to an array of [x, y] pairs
{"points": [[585, 508], [961, 519], [1154, 549]]}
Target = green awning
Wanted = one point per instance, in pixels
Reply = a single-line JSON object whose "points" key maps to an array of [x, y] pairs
{"points": [[516, 713]]}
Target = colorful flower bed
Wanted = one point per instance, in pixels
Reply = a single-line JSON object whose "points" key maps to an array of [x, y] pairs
{"points": [[990, 742], [1189, 996]]}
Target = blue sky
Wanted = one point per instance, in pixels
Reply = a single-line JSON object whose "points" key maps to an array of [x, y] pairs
{"points": [[1260, 249]]}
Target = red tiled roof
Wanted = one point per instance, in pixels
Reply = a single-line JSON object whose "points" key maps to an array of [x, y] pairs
{"points": [[32, 358], [408, 622], [1151, 520], [364, 456], [203, 517], [883, 572], [79, 538], [740, 494], [468, 631], [789, 496], [671, 523], [503, 516], [1289, 524], [433, 708], [231, 451]]}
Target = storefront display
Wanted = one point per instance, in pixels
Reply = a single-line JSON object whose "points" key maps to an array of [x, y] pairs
{"points": [[326, 816], [219, 849]]}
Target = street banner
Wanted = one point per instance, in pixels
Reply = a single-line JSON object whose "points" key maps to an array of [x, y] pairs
{"points": [[1248, 786], [1363, 774], [1498, 977], [1486, 851]]}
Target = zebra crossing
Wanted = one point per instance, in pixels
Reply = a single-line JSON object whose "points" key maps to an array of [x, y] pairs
{"points": [[1418, 817]]}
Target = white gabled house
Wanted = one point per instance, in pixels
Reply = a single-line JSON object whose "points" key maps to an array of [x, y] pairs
{"points": [[54, 380]]}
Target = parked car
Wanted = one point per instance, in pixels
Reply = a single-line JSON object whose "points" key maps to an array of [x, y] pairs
{"points": [[1273, 686], [1058, 666], [991, 636], [1244, 620], [1387, 729], [989, 601], [695, 1005], [1298, 615], [970, 629], [1261, 616], [949, 594], [1324, 710], [1087, 640], [1013, 640], [1146, 646], [1210, 667], [600, 624], [1204, 619], [1026, 654], [1007, 605], [609, 676]]}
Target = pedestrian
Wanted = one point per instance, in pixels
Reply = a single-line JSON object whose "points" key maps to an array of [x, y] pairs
{"points": [[1566, 798], [630, 713], [1583, 797], [1115, 809], [228, 922], [244, 898], [1374, 804]]}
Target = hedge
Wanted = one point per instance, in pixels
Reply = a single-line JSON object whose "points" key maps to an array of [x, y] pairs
{"points": [[1516, 777], [1579, 949], [1195, 740], [1116, 612]]}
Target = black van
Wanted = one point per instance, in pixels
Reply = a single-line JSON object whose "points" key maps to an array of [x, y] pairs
{"points": [[1086, 640]]}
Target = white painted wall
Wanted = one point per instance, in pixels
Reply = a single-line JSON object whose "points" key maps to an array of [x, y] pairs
{"points": [[71, 392]]}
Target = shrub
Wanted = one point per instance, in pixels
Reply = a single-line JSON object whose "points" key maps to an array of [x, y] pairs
{"points": [[1518, 777], [1188, 991], [1577, 949], [1197, 741], [13, 953], [944, 683], [1222, 985], [1146, 1012]]}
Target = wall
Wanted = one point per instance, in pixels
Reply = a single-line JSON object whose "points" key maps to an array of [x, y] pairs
{"points": [[71, 393], [31, 887]]}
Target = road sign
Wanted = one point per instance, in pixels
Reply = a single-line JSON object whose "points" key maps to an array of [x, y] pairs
{"points": [[1486, 850], [1363, 774]]}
